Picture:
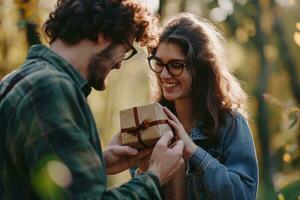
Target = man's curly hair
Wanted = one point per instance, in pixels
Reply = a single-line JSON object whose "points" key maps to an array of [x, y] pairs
{"points": [[74, 20]]}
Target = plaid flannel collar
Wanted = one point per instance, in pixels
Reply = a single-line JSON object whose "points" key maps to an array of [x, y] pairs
{"points": [[45, 53]]}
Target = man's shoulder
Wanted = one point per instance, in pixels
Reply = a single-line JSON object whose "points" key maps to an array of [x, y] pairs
{"points": [[35, 69], [43, 71], [34, 76], [48, 79]]}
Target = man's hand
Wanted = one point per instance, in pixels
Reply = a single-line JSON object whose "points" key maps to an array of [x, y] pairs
{"points": [[118, 158], [165, 161], [143, 164]]}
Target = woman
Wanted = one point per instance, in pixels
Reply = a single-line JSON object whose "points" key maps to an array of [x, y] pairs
{"points": [[194, 83]]}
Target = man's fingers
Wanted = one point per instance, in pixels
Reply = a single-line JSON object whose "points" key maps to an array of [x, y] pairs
{"points": [[123, 150], [178, 146], [145, 152], [131, 161], [116, 139]]}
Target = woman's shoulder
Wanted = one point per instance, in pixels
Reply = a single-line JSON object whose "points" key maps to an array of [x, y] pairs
{"points": [[236, 127], [234, 123], [233, 117]]}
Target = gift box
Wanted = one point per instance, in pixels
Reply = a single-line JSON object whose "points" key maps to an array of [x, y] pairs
{"points": [[141, 127]]}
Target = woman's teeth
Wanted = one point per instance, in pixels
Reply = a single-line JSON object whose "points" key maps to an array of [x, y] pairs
{"points": [[169, 85]]}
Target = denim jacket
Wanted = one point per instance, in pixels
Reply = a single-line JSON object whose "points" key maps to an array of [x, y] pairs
{"points": [[226, 171]]}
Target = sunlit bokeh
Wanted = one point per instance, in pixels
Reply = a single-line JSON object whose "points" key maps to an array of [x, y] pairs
{"points": [[218, 14], [297, 38], [281, 197], [298, 26], [287, 157], [286, 2], [153, 5], [271, 52], [59, 173], [242, 2], [51, 177], [241, 35], [249, 25], [226, 5]]}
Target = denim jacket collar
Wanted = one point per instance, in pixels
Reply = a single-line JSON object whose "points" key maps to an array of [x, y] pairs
{"points": [[197, 132]]}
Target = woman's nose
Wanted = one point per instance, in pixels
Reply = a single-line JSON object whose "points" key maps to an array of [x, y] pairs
{"points": [[164, 73]]}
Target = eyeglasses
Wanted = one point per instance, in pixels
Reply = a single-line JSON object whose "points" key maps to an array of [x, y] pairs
{"points": [[175, 67], [131, 52]]}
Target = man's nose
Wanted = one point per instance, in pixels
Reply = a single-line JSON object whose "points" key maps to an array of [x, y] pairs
{"points": [[118, 65]]}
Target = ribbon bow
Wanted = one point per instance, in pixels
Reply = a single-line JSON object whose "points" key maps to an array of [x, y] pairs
{"points": [[139, 127]]}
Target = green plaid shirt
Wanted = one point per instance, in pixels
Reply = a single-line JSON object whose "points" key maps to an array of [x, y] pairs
{"points": [[49, 145]]}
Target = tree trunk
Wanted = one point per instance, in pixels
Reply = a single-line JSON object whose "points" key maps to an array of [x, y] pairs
{"points": [[182, 5], [262, 117], [161, 7], [289, 62], [30, 27]]}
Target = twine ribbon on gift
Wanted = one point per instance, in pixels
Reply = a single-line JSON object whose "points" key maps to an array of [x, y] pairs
{"points": [[139, 127]]}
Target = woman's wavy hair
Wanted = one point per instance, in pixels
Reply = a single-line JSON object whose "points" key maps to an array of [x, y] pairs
{"points": [[215, 91], [74, 20]]}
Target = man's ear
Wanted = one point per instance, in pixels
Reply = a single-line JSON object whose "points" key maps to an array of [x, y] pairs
{"points": [[103, 42]]}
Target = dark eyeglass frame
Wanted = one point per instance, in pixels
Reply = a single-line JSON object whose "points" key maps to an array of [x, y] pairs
{"points": [[167, 65], [132, 49]]}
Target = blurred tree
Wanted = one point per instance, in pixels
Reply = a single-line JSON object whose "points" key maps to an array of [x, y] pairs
{"points": [[161, 7], [262, 117], [3, 44], [240, 27], [289, 62], [182, 5], [28, 19]]}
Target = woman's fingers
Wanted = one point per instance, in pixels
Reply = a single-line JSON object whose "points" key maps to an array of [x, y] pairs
{"points": [[177, 127], [179, 131], [171, 115]]}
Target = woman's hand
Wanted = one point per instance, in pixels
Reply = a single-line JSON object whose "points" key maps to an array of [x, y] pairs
{"points": [[189, 146]]}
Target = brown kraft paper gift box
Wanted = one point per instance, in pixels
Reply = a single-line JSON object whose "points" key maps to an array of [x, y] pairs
{"points": [[142, 126]]}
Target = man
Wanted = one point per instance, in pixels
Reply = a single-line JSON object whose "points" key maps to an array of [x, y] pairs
{"points": [[49, 145]]}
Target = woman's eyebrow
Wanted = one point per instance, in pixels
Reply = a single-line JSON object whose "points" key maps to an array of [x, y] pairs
{"points": [[171, 60], [176, 60]]}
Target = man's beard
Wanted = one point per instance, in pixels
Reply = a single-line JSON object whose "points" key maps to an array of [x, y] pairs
{"points": [[99, 66]]}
